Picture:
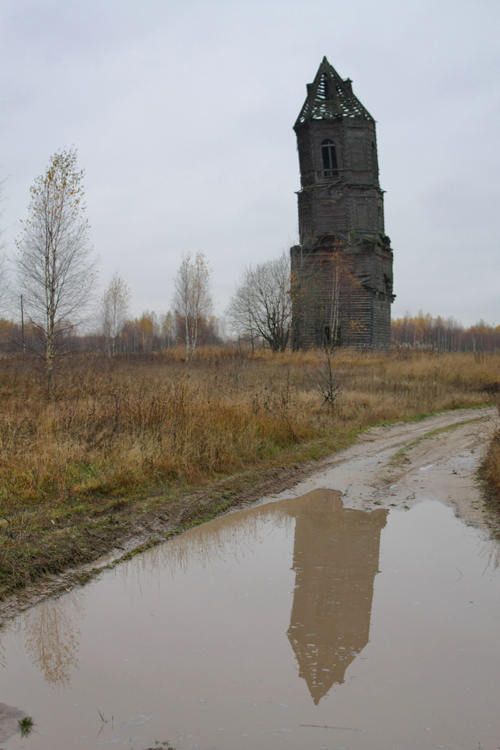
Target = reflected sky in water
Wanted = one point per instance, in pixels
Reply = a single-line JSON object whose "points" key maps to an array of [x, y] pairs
{"points": [[291, 625]]}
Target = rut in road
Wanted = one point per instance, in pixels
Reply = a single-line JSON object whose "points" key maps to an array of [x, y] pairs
{"points": [[400, 465]]}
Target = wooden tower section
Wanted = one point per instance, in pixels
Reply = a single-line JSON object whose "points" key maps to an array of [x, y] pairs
{"points": [[342, 269]]}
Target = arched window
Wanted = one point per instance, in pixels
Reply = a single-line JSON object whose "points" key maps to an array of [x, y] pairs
{"points": [[329, 157]]}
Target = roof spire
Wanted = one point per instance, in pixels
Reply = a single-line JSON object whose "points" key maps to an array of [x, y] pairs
{"points": [[329, 97]]}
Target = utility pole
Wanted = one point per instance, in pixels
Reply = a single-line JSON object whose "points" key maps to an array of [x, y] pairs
{"points": [[22, 326]]}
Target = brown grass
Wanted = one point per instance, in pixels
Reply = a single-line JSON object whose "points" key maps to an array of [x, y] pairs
{"points": [[490, 472], [76, 470]]}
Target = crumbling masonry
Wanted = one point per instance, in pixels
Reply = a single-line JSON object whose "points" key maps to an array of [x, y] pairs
{"points": [[342, 269]]}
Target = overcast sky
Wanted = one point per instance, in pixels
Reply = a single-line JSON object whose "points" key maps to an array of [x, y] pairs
{"points": [[182, 115]]}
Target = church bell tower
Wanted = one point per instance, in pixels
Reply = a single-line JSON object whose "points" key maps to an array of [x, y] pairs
{"points": [[342, 269]]}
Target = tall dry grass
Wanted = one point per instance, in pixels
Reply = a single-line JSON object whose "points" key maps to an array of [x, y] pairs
{"points": [[123, 429], [120, 426], [490, 471]]}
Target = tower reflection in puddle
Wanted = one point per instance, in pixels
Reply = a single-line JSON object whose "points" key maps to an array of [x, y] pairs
{"points": [[335, 559]]}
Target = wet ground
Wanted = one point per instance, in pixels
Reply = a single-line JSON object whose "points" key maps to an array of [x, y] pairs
{"points": [[367, 619]]}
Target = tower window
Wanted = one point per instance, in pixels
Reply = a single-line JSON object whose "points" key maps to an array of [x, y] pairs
{"points": [[329, 157]]}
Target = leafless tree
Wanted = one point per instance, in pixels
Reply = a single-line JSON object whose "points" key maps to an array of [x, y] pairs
{"points": [[324, 285], [54, 258], [326, 381], [114, 310], [340, 284], [167, 330], [192, 300], [3, 283], [261, 304], [3, 264]]}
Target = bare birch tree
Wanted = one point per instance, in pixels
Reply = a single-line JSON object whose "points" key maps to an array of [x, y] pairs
{"points": [[56, 271], [167, 330], [3, 283], [3, 264], [192, 300], [324, 285], [340, 284], [262, 303], [114, 310]]}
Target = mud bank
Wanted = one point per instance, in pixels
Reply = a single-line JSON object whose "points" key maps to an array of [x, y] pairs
{"points": [[402, 464], [389, 466]]}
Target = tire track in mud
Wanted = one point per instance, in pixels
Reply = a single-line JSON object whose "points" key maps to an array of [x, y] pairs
{"points": [[401, 465], [398, 465]]}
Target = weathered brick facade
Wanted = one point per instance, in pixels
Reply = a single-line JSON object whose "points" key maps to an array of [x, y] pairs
{"points": [[342, 269]]}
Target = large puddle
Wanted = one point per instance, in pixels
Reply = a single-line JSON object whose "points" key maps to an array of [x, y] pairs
{"points": [[298, 624]]}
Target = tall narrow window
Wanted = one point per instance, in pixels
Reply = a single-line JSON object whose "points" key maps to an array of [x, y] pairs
{"points": [[329, 156]]}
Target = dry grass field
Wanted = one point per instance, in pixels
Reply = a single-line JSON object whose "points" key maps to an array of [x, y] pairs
{"points": [[491, 473], [123, 439]]}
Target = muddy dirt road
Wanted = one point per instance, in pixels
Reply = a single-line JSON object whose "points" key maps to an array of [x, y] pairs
{"points": [[393, 466], [290, 624], [398, 466], [403, 464]]}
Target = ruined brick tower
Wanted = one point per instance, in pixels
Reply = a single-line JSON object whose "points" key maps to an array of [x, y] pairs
{"points": [[342, 269]]}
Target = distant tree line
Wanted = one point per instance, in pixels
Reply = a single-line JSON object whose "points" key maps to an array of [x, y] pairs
{"points": [[54, 290], [151, 333], [443, 334], [55, 281]]}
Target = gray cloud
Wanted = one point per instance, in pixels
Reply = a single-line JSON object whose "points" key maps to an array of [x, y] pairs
{"points": [[183, 115]]}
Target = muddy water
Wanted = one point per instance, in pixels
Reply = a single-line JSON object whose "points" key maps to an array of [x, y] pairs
{"points": [[298, 624]]}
